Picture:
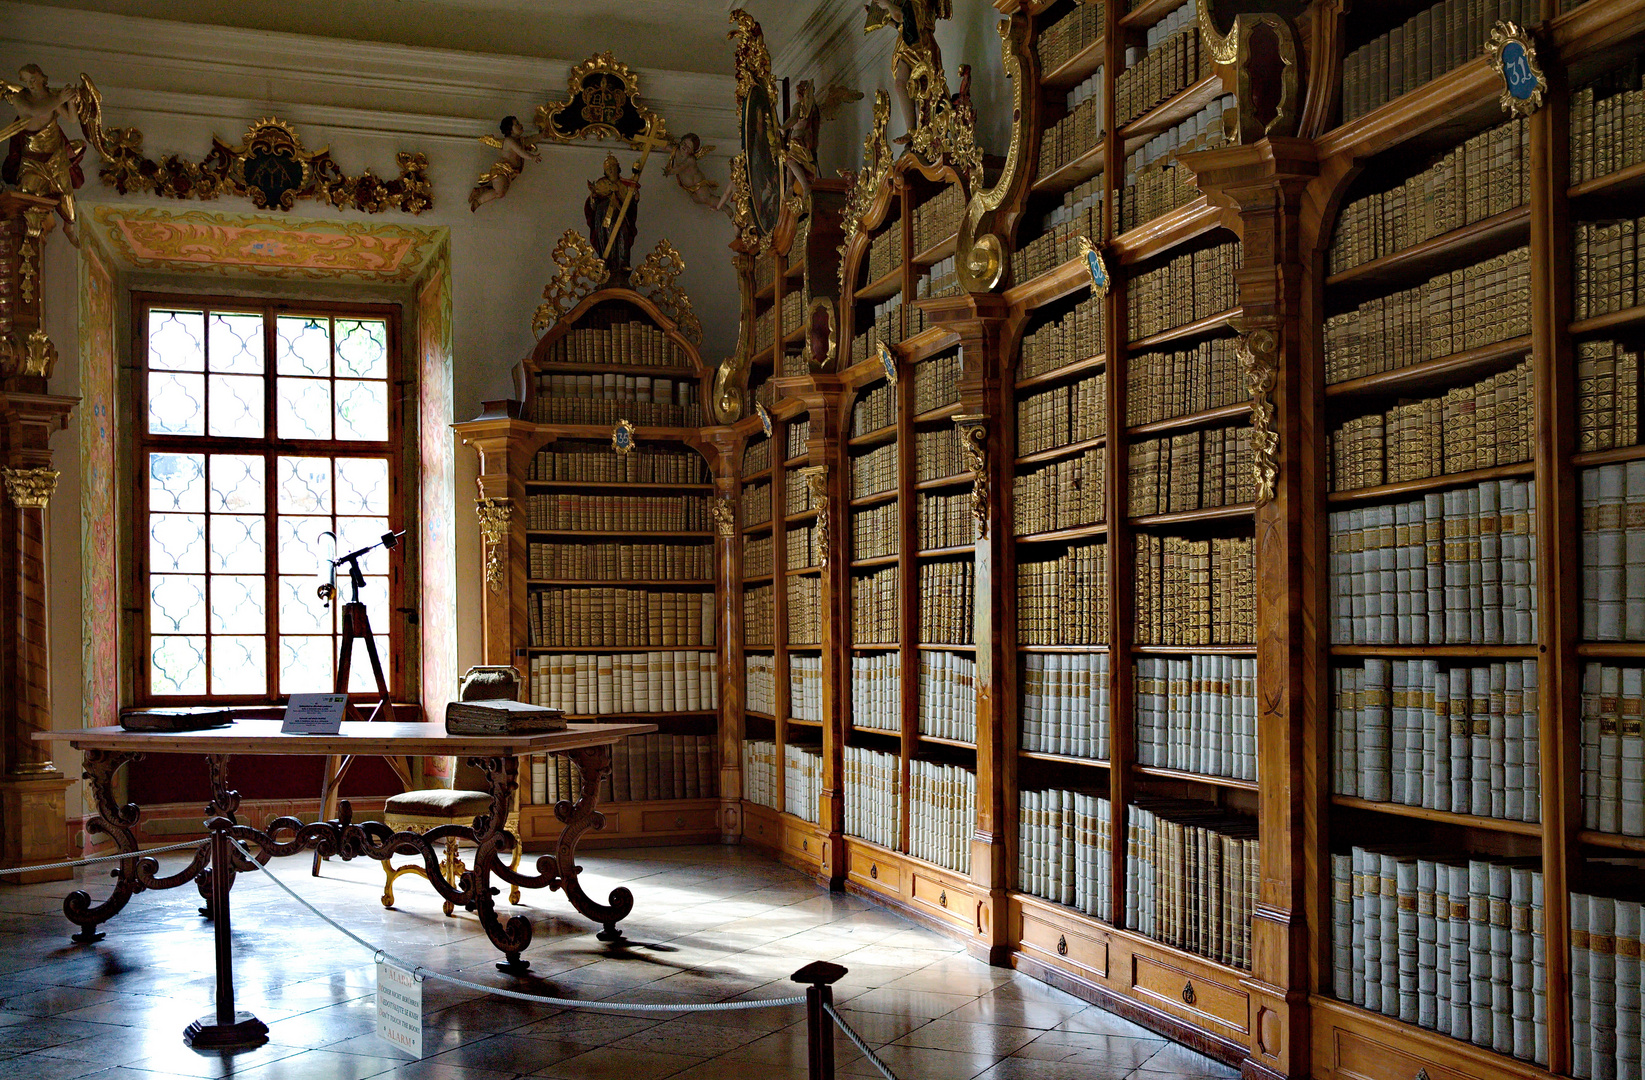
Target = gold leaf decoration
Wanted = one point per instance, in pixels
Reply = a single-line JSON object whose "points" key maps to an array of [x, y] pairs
{"points": [[581, 272], [657, 279]]}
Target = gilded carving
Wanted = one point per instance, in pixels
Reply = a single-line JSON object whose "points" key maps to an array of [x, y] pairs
{"points": [[730, 389], [1513, 54], [622, 437], [816, 479], [271, 167], [48, 161], [982, 262], [657, 279], [1261, 111], [30, 489], [603, 102], [724, 512], [1256, 353], [973, 433], [581, 272], [876, 165], [494, 516]]}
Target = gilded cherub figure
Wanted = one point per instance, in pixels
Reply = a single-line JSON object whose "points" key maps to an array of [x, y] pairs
{"points": [[916, 25], [804, 127], [516, 146], [41, 159], [682, 165]]}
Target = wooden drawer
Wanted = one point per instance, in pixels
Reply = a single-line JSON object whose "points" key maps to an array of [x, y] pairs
{"points": [[803, 843], [872, 871], [683, 819], [1084, 953], [941, 898], [1192, 995], [758, 826], [1359, 1057]]}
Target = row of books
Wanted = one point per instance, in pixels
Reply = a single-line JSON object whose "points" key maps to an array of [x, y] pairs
{"points": [[762, 783], [802, 780], [1065, 704], [1066, 38], [888, 321], [885, 251], [586, 684], [1191, 877], [1173, 61], [799, 439], [1195, 592], [1607, 395], [1425, 46], [1613, 552], [944, 521], [1606, 259], [1065, 843], [875, 410], [1608, 124], [1481, 426], [597, 399], [758, 557], [938, 218], [1060, 242], [1193, 470], [947, 595], [1450, 313], [942, 814], [1080, 333], [760, 682], [873, 796], [1186, 289], [763, 389], [765, 272], [644, 768], [1460, 739], [1080, 129], [595, 462], [1169, 383], [941, 278], [1060, 415], [937, 455], [876, 531], [803, 549], [876, 691], [621, 562], [759, 615], [1062, 494], [874, 472], [1456, 948], [805, 610], [805, 696], [948, 696], [867, 343], [1198, 714], [937, 382], [617, 513], [1155, 189], [1606, 1016], [620, 618], [1487, 175], [757, 503], [1613, 749], [876, 607], [1063, 600], [617, 341], [1452, 568], [765, 323], [756, 456]]}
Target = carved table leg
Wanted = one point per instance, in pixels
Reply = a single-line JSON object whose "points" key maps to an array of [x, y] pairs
{"points": [[116, 822], [490, 834], [595, 764]]}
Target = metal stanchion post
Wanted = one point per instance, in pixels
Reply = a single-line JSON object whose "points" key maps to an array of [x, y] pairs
{"points": [[818, 978], [226, 1029]]}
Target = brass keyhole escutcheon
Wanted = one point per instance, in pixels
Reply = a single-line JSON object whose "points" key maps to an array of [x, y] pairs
{"points": [[1188, 993], [679, 822], [1062, 945], [942, 898], [805, 845], [874, 871]]}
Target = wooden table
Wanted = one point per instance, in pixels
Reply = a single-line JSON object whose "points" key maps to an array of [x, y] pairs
{"points": [[589, 745]]}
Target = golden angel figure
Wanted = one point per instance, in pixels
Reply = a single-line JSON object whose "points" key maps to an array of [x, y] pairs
{"points": [[804, 128], [916, 25], [682, 165], [516, 146], [41, 159]]}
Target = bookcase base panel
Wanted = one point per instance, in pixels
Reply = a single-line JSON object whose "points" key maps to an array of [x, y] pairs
{"points": [[931, 895], [630, 824], [791, 840], [1352, 1044]]}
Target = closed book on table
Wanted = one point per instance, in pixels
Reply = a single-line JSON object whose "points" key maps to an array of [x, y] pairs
{"points": [[501, 717]]}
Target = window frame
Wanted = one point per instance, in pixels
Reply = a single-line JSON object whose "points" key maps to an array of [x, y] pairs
{"points": [[270, 447]]}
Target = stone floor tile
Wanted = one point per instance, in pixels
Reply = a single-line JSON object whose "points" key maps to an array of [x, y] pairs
{"points": [[969, 1038], [618, 1063], [922, 1063]]}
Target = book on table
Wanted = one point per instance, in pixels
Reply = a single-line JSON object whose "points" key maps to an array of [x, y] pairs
{"points": [[501, 717]]}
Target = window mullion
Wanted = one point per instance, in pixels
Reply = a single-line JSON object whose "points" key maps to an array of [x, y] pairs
{"points": [[271, 480]]}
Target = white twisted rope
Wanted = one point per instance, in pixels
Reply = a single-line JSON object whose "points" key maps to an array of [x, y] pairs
{"points": [[856, 1041], [121, 857]]}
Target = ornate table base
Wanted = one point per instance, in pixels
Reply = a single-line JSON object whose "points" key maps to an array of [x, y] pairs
{"points": [[371, 840]]}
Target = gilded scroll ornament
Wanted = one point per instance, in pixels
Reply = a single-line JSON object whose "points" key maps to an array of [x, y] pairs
{"points": [[657, 279], [1256, 351], [30, 489], [271, 167], [494, 516], [1095, 265], [982, 262], [724, 513], [581, 272], [876, 165], [816, 479], [1513, 54], [1267, 80], [973, 433], [603, 102]]}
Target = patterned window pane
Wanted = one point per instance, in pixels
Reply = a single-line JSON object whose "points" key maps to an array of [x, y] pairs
{"points": [[177, 665], [362, 349], [236, 343], [361, 680], [237, 484], [237, 544], [177, 543], [176, 403], [303, 408], [362, 486], [239, 665], [304, 485], [177, 483], [305, 665], [356, 533], [301, 610], [302, 548], [303, 344], [236, 406], [237, 604], [177, 603], [362, 410], [176, 341]]}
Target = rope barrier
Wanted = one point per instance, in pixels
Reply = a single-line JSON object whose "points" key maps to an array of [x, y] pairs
{"points": [[121, 857], [856, 1040], [569, 1003]]}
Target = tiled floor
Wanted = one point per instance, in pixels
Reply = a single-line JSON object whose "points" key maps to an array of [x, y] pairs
{"points": [[709, 924]]}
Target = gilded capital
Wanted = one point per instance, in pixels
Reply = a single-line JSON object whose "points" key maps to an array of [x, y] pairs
{"points": [[30, 489], [494, 517]]}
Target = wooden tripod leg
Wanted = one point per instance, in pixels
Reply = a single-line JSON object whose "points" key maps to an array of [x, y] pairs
{"points": [[354, 618]]}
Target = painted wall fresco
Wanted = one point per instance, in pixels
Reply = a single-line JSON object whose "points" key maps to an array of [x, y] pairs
{"points": [[99, 595], [437, 612]]}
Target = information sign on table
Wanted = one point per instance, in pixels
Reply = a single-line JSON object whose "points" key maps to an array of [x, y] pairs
{"points": [[314, 714]]}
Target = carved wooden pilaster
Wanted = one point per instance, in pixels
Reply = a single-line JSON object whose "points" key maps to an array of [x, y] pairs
{"points": [[26, 354], [723, 447], [505, 444], [1264, 183]]}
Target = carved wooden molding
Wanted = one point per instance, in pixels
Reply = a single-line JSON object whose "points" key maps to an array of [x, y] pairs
{"points": [[1256, 352], [581, 271], [657, 279], [973, 432], [30, 489], [494, 515], [724, 512], [816, 478]]}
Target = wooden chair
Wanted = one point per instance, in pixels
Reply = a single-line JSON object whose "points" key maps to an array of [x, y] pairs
{"points": [[467, 798]]}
